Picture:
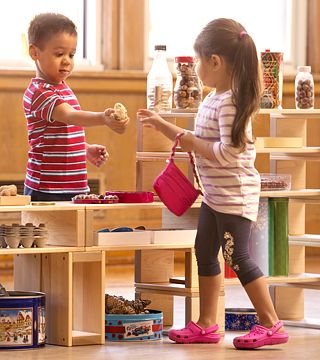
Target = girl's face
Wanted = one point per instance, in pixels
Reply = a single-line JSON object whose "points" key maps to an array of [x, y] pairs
{"points": [[55, 61], [213, 72]]}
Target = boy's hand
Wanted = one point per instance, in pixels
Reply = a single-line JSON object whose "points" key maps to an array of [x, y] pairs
{"points": [[118, 126], [97, 154]]}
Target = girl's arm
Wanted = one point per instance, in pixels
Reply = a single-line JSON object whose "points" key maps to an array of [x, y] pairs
{"points": [[189, 142]]}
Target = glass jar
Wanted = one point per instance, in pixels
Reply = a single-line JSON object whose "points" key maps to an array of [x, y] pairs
{"points": [[159, 82], [304, 88], [187, 90]]}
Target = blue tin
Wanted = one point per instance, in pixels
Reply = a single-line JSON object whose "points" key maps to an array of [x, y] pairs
{"points": [[239, 319], [22, 320], [134, 327]]}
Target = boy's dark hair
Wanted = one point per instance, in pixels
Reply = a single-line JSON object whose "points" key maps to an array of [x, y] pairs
{"points": [[44, 26], [229, 39]]}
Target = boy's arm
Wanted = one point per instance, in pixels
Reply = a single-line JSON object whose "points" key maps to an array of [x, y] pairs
{"points": [[66, 114]]}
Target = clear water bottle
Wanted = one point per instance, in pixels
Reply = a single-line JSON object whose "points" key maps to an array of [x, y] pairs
{"points": [[159, 82], [304, 88]]}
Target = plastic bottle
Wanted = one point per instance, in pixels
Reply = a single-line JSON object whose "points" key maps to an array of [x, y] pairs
{"points": [[304, 88], [187, 90], [159, 82]]}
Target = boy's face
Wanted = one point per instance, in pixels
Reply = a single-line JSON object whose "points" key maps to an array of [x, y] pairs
{"points": [[55, 61]]}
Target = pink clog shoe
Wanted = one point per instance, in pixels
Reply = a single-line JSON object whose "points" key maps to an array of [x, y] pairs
{"points": [[261, 336], [193, 334]]}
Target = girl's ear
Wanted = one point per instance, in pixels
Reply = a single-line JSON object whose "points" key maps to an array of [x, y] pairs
{"points": [[215, 62], [33, 52]]}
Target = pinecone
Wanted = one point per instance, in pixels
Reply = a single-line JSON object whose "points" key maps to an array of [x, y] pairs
{"points": [[120, 305]]}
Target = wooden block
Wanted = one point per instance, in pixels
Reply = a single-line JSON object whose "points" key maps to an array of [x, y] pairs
{"points": [[154, 266], [191, 270], [173, 236], [164, 303], [65, 228], [278, 142], [288, 302], [15, 200]]}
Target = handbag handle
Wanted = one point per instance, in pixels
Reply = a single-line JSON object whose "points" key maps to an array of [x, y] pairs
{"points": [[191, 158]]}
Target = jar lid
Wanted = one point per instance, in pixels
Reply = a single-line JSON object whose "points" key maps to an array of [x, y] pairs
{"points": [[304, 68], [160, 47], [187, 59]]}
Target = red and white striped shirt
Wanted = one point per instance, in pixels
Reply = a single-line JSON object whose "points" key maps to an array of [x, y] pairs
{"points": [[231, 183], [57, 155]]}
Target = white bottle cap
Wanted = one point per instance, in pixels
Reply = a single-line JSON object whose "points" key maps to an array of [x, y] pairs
{"points": [[304, 68]]}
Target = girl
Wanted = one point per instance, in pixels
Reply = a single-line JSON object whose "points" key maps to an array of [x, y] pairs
{"points": [[225, 154]]}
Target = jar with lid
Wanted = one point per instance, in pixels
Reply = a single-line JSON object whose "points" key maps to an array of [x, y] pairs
{"points": [[159, 82], [187, 90], [304, 88]]}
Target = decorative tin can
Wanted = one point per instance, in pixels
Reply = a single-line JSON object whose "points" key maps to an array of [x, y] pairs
{"points": [[272, 63], [239, 319], [22, 320], [134, 327]]}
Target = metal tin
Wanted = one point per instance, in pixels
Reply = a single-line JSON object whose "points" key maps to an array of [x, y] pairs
{"points": [[238, 319], [134, 327], [22, 320]]}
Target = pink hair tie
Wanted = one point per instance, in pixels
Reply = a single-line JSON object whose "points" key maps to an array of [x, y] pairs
{"points": [[242, 34]]}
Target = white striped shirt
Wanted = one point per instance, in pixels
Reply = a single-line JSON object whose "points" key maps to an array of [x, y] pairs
{"points": [[231, 183]]}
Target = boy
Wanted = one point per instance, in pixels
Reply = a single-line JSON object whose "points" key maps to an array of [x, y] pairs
{"points": [[56, 168]]}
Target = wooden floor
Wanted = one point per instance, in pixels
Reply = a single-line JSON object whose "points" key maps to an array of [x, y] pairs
{"points": [[304, 343]]}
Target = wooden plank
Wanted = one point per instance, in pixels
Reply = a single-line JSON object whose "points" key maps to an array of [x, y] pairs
{"points": [[88, 293], [43, 250], [57, 285], [27, 272]]}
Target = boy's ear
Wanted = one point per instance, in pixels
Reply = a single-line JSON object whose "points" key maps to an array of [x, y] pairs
{"points": [[33, 52]]}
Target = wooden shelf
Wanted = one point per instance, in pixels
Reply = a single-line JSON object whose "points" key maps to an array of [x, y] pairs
{"points": [[59, 206], [303, 278], [141, 247], [169, 288], [291, 113], [291, 193], [304, 153], [44, 250], [299, 152], [305, 240]]}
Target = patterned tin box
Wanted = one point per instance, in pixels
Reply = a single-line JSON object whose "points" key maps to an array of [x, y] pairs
{"points": [[239, 319], [134, 327], [22, 320]]}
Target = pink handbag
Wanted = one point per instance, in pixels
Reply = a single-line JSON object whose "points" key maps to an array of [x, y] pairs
{"points": [[173, 187]]}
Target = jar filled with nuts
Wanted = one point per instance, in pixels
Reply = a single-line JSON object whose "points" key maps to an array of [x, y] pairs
{"points": [[304, 88], [187, 90]]}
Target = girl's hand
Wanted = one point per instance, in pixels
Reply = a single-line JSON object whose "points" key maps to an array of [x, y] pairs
{"points": [[187, 141], [97, 154], [118, 126], [149, 118]]}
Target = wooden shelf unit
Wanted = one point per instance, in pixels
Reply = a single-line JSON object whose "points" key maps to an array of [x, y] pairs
{"points": [[71, 278], [286, 123], [288, 296]]}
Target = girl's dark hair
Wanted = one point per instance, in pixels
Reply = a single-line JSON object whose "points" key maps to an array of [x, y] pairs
{"points": [[229, 39], [44, 26]]}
